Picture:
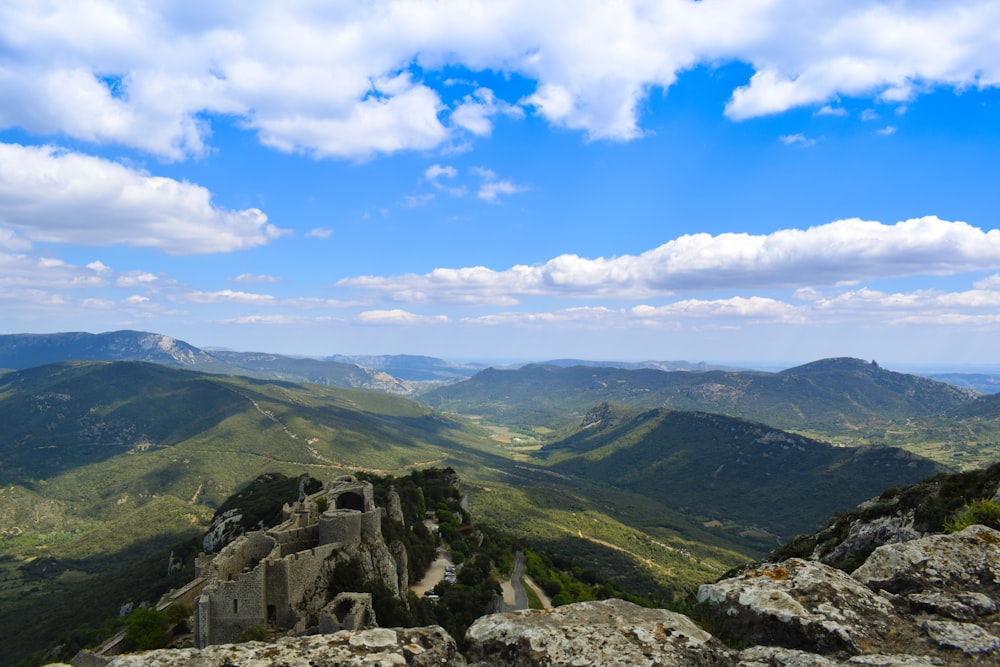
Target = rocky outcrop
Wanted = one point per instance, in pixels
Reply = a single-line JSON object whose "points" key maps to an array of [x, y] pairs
{"points": [[968, 560], [609, 632], [377, 647], [798, 604], [933, 600], [225, 527], [394, 507]]}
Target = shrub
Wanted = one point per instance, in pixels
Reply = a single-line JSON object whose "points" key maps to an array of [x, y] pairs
{"points": [[255, 633], [985, 512], [147, 629]]}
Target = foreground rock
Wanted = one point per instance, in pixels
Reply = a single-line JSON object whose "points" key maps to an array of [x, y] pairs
{"points": [[609, 632], [929, 601], [378, 647], [799, 604]]}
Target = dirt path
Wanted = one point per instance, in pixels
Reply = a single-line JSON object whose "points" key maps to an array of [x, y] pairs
{"points": [[546, 602]]}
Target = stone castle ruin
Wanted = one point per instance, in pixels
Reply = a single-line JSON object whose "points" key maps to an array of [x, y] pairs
{"points": [[280, 577]]}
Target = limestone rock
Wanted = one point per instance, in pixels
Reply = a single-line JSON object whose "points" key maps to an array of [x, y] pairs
{"points": [[969, 560], [776, 656], [798, 604], [401, 559], [608, 632], [864, 535], [224, 529], [378, 647], [896, 660], [394, 508], [967, 637], [942, 604]]}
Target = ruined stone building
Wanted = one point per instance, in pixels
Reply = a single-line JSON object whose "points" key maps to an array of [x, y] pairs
{"points": [[280, 576]]}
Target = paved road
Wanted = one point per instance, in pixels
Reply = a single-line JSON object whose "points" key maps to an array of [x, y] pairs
{"points": [[514, 597]]}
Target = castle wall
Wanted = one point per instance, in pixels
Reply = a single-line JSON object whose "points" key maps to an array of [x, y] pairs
{"points": [[243, 554], [340, 526], [296, 539], [371, 524], [227, 608]]}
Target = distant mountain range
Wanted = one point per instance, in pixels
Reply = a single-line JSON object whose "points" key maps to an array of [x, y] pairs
{"points": [[829, 395], [20, 351], [404, 374]]}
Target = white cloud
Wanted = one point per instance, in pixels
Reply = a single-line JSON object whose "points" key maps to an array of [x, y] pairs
{"points": [[396, 118], [397, 316], [416, 201], [800, 139], [806, 55], [830, 254], [476, 111], [23, 272], [344, 81], [256, 278], [320, 233], [434, 175], [435, 171], [55, 196], [748, 308], [828, 110], [493, 186], [11, 241], [886, 131], [229, 296], [263, 319], [135, 278]]}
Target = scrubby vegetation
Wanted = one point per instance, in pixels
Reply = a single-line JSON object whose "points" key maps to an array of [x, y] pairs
{"points": [[942, 503]]}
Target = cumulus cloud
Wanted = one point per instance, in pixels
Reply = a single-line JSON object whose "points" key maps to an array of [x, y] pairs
{"points": [[476, 112], [346, 81], [831, 254], [56, 196]]}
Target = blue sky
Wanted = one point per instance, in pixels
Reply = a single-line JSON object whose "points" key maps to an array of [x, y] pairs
{"points": [[753, 180]]}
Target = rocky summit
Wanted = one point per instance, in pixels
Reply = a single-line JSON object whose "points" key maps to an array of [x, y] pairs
{"points": [[931, 600]]}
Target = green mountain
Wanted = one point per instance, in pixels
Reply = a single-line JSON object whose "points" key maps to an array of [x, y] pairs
{"points": [[731, 470], [833, 398]]}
